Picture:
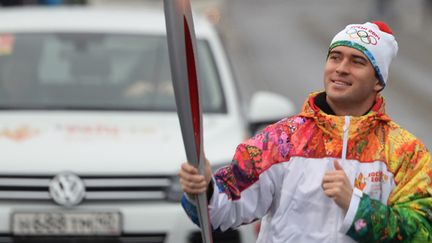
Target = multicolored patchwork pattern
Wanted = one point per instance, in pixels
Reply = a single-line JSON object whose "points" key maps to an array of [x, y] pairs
{"points": [[407, 214]]}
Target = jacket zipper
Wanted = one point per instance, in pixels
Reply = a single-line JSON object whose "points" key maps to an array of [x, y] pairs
{"points": [[344, 155], [345, 137]]}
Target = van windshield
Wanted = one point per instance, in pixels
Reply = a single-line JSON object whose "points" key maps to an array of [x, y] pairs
{"points": [[97, 71]]}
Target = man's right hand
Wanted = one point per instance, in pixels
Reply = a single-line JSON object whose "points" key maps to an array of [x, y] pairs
{"points": [[193, 183]]}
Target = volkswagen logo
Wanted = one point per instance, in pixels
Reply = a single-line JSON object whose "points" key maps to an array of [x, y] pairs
{"points": [[67, 189]]}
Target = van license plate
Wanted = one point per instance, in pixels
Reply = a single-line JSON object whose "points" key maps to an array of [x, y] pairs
{"points": [[66, 223]]}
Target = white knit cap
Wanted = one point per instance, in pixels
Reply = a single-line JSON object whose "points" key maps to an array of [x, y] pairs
{"points": [[375, 40]]}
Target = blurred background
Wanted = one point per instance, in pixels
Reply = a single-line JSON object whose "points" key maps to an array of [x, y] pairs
{"points": [[280, 46]]}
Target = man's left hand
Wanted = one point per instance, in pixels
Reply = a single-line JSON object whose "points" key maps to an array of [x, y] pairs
{"points": [[337, 186]]}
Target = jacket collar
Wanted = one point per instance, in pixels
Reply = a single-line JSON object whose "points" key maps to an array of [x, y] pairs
{"points": [[333, 124]]}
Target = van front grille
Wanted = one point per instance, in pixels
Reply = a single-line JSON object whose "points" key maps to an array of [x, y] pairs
{"points": [[140, 188]]}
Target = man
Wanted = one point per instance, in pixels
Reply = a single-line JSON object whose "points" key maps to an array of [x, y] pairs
{"points": [[340, 171]]}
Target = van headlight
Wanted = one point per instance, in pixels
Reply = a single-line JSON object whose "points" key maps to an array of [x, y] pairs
{"points": [[174, 192]]}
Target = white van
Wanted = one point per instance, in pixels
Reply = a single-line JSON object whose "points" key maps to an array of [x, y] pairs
{"points": [[89, 135]]}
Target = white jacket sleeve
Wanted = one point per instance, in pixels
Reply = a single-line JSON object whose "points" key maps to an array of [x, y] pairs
{"points": [[228, 210], [246, 190]]}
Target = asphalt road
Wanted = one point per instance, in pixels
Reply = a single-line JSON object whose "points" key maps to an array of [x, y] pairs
{"points": [[280, 46]]}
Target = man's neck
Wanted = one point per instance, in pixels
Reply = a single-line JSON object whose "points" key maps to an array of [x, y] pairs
{"points": [[333, 109]]}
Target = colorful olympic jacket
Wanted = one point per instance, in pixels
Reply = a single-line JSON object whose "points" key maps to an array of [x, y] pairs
{"points": [[276, 175]]}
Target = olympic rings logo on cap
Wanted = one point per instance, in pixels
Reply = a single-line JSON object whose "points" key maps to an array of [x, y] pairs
{"points": [[364, 36]]}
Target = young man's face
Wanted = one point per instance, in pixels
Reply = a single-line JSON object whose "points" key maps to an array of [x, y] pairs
{"points": [[349, 78]]}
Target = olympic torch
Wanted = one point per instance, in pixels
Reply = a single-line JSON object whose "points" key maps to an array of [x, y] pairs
{"points": [[182, 50]]}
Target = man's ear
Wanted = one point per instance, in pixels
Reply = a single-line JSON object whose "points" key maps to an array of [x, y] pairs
{"points": [[378, 86]]}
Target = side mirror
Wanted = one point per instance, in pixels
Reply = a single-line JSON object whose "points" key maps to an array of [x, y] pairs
{"points": [[266, 108]]}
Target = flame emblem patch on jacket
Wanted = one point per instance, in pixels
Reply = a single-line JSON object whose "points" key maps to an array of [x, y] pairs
{"points": [[360, 182]]}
